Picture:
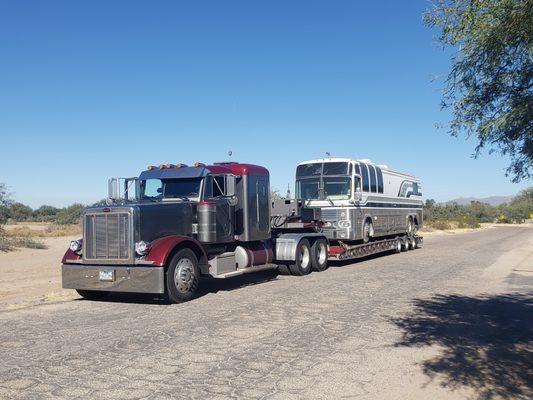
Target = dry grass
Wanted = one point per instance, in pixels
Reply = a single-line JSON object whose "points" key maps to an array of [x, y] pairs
{"points": [[40, 230], [11, 243]]}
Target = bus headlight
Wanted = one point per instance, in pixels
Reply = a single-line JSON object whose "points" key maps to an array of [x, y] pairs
{"points": [[344, 224]]}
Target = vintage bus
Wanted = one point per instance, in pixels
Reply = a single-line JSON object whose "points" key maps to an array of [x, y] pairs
{"points": [[360, 200]]}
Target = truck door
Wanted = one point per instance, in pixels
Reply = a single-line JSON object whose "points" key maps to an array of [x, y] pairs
{"points": [[222, 189]]}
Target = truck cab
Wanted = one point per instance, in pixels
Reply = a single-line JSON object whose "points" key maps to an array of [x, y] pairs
{"points": [[162, 230]]}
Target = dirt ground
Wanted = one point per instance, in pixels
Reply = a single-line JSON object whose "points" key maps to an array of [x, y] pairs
{"points": [[32, 276]]}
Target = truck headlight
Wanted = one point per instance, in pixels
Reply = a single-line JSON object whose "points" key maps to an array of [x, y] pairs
{"points": [[142, 248], [344, 224], [75, 246]]}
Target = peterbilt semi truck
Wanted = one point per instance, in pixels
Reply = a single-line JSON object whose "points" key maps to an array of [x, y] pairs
{"points": [[173, 224]]}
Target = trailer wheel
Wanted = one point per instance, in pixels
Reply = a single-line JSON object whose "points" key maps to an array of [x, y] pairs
{"points": [[412, 243], [302, 265], [398, 245], [92, 294], [182, 276], [405, 244], [319, 255]]}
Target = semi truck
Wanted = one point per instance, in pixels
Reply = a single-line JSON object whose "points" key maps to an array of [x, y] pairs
{"points": [[162, 231]]}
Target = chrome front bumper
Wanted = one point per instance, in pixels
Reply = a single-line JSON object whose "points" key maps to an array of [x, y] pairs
{"points": [[126, 278]]}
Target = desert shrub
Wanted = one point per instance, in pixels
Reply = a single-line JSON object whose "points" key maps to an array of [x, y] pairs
{"points": [[70, 215], [10, 243], [441, 225], [45, 213]]}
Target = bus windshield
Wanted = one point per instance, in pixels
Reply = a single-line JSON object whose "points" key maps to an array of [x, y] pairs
{"points": [[327, 188]]}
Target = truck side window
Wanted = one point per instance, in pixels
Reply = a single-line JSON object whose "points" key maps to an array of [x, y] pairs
{"points": [[364, 174], [219, 186]]}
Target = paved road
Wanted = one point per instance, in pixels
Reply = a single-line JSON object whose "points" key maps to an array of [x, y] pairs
{"points": [[451, 320]]}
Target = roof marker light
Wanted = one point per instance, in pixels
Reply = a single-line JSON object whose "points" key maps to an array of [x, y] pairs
{"points": [[161, 166], [150, 167]]}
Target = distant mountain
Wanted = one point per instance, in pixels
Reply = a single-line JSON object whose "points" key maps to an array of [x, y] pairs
{"points": [[492, 200]]}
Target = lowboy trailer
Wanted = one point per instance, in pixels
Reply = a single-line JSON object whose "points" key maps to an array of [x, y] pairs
{"points": [[173, 224]]}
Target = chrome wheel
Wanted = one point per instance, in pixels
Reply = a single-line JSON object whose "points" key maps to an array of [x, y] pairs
{"points": [[184, 275], [322, 253], [305, 258]]}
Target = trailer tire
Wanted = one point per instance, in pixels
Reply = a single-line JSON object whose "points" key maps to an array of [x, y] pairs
{"points": [[182, 276], [405, 244], [398, 245], [319, 255], [92, 294], [302, 265], [412, 243]]}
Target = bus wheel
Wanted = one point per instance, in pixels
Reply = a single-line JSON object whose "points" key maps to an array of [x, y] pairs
{"points": [[302, 265], [410, 228], [319, 255], [367, 231], [182, 276]]}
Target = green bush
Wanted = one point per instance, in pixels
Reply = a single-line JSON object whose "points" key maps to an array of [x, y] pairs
{"points": [[70, 215], [20, 212]]}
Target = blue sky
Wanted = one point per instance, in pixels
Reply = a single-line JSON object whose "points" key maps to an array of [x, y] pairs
{"points": [[90, 90]]}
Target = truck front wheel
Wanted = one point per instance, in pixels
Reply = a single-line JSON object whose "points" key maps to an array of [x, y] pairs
{"points": [[182, 276]]}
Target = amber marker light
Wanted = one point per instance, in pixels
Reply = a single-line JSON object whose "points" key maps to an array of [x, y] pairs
{"points": [[161, 166], [150, 167]]}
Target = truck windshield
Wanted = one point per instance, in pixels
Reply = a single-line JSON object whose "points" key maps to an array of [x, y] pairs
{"points": [[157, 189], [334, 188]]}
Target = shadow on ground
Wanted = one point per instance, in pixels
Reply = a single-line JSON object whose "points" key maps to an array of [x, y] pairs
{"points": [[207, 286], [487, 342]]}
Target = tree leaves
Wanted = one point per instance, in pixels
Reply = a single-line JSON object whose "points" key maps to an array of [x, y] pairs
{"points": [[489, 88]]}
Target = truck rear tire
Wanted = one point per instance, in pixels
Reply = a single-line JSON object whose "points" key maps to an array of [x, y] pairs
{"points": [[92, 294], [182, 276], [319, 255], [302, 265]]}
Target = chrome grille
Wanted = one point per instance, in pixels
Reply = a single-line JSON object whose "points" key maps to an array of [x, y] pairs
{"points": [[329, 214], [107, 236]]}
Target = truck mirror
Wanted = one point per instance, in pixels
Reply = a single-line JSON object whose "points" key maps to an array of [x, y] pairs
{"points": [[230, 185], [358, 195], [113, 189]]}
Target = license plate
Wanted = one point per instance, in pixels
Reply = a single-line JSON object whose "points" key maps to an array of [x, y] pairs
{"points": [[108, 275]]}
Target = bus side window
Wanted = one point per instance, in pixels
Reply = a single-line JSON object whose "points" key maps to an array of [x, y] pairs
{"points": [[373, 185], [364, 174], [380, 180]]}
